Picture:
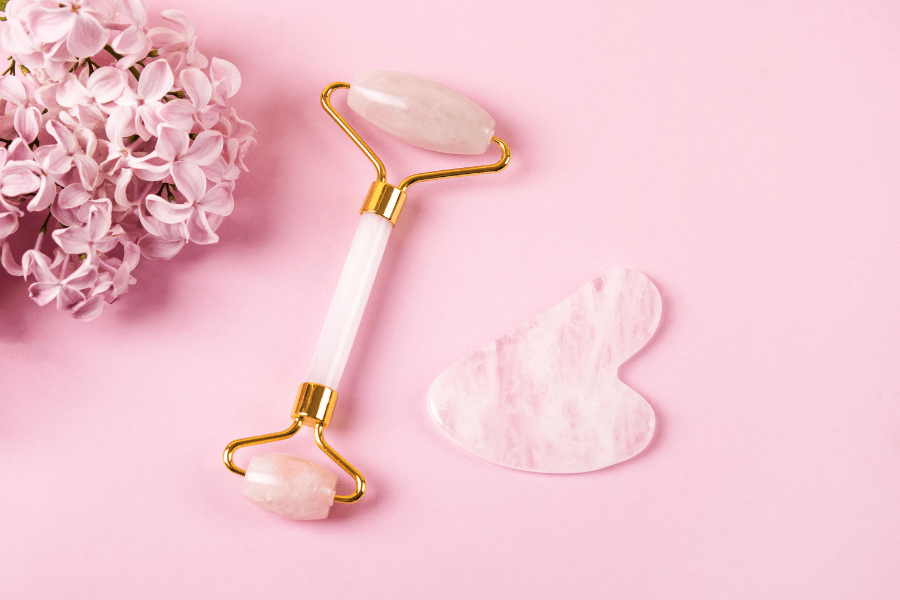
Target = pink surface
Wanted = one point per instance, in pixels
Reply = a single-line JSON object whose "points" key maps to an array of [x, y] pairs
{"points": [[744, 157]]}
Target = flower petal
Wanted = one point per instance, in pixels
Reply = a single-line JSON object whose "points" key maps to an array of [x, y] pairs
{"points": [[44, 196], [43, 293], [99, 222], [87, 37], [9, 223], [27, 122], [73, 196], [181, 19], [178, 113], [84, 276], [168, 212], [51, 24], [17, 41], [62, 135], [55, 161], [131, 256], [163, 36], [172, 143], [156, 80], [88, 309], [131, 41], [88, 171], [225, 78], [120, 124], [135, 11], [189, 180], [67, 298], [18, 180], [19, 150], [72, 240], [12, 90], [106, 84], [147, 121], [205, 149], [156, 248], [71, 92], [199, 229], [121, 193], [218, 200], [38, 264], [8, 262], [197, 86], [148, 169]]}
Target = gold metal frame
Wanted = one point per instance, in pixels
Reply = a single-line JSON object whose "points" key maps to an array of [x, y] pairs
{"points": [[313, 407], [377, 190], [315, 403]]}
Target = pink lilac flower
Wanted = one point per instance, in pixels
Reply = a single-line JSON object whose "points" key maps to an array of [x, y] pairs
{"points": [[78, 23], [119, 136], [192, 216], [67, 290], [177, 47], [20, 93]]}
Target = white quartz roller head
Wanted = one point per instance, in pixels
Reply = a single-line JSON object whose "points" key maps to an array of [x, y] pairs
{"points": [[421, 112]]}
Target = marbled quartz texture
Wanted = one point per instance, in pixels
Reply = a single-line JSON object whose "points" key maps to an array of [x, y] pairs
{"points": [[289, 486], [421, 112], [546, 397]]}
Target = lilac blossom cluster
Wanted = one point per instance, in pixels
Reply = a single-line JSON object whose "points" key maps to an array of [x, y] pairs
{"points": [[121, 134]]}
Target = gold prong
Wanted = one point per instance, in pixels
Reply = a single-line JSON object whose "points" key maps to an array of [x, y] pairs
{"points": [[252, 441], [381, 175], [477, 170], [318, 432]]}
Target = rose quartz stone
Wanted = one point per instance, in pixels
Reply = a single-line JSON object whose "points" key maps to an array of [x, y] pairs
{"points": [[289, 486], [421, 112], [546, 397]]}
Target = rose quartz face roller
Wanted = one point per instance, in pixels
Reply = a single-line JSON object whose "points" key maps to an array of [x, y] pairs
{"points": [[424, 114]]}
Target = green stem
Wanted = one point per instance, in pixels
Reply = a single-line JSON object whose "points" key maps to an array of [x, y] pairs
{"points": [[117, 56]]}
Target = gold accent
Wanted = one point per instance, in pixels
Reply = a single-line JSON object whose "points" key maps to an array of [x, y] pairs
{"points": [[228, 458], [381, 174], [314, 403], [384, 200], [313, 407], [319, 436]]}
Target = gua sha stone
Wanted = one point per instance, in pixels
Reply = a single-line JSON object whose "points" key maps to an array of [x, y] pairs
{"points": [[289, 486], [421, 112], [546, 397]]}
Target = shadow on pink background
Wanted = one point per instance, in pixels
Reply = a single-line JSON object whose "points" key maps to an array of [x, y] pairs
{"points": [[744, 156]]}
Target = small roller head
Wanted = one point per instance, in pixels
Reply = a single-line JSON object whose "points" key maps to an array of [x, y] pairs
{"points": [[290, 486], [421, 112]]}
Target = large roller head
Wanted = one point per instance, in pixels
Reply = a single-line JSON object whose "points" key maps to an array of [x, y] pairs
{"points": [[421, 112]]}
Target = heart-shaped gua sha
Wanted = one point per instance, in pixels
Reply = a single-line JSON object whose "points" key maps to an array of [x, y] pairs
{"points": [[546, 397]]}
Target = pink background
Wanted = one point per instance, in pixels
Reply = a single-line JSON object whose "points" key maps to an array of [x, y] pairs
{"points": [[744, 156]]}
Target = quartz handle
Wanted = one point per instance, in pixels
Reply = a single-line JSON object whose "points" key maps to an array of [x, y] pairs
{"points": [[349, 301]]}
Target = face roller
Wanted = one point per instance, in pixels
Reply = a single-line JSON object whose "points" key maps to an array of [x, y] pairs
{"points": [[424, 114]]}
